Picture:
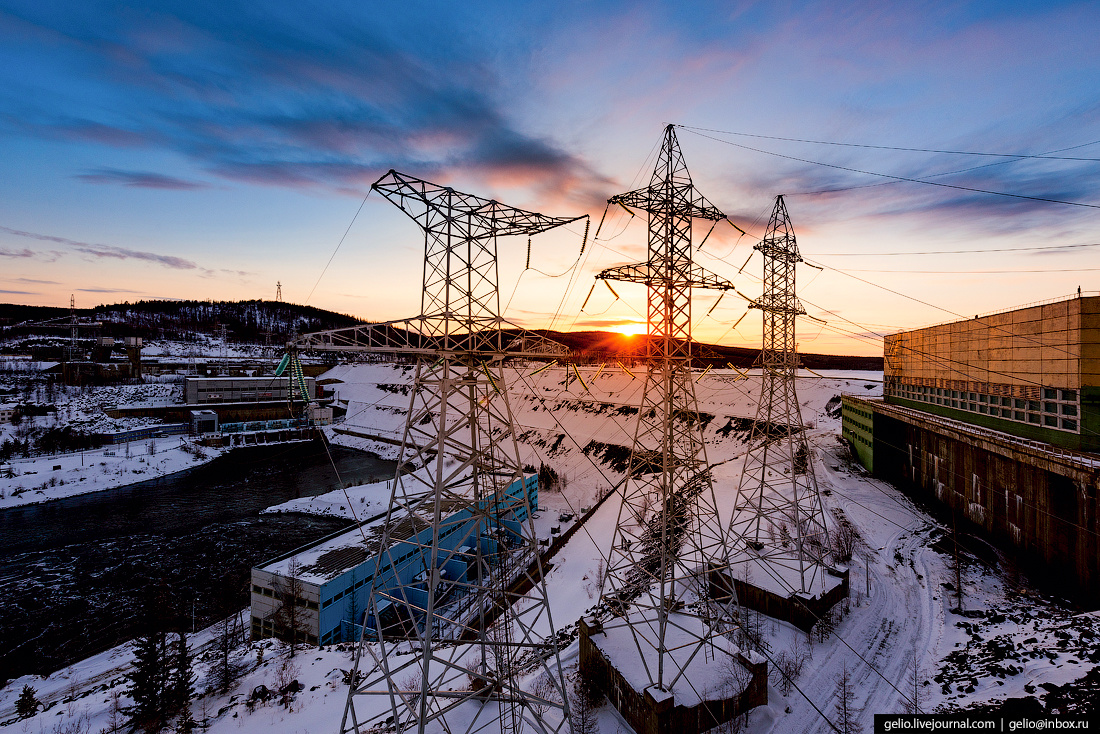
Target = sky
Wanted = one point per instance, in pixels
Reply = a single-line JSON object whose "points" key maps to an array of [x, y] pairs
{"points": [[179, 150]]}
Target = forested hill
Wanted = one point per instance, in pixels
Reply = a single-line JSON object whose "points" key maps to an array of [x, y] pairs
{"points": [[250, 322], [245, 321]]}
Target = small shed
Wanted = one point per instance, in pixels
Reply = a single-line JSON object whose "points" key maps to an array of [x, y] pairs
{"points": [[204, 422]]}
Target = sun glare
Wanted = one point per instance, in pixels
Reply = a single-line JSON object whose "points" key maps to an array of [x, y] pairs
{"points": [[630, 329]]}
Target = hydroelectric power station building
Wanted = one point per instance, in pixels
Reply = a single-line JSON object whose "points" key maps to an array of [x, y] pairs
{"points": [[997, 420], [331, 579]]}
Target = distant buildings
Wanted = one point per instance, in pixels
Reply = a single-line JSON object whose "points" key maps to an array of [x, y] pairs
{"points": [[201, 390]]}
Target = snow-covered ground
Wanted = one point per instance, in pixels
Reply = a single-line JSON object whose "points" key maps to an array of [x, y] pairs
{"points": [[1007, 641], [38, 479], [35, 479]]}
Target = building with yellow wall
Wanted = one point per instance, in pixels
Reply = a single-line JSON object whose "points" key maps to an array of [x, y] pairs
{"points": [[1033, 372]]}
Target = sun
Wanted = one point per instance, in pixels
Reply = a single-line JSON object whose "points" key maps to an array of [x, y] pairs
{"points": [[631, 328]]}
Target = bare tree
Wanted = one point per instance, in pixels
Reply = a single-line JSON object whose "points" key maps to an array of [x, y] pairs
{"points": [[735, 679], [545, 689], [845, 709], [226, 670], [289, 618], [842, 541], [788, 665]]}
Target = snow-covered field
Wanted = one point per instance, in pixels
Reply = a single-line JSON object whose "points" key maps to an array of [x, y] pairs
{"points": [[39, 479], [901, 619]]}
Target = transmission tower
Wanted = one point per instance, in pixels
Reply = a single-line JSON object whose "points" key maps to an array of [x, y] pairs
{"points": [[223, 334], [278, 292], [74, 349], [668, 535], [472, 607], [778, 529]]}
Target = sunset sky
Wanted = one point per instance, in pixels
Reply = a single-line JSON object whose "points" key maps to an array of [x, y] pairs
{"points": [[210, 149]]}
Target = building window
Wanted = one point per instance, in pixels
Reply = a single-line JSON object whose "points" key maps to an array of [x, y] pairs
{"points": [[1050, 420], [1070, 395], [1069, 410], [1069, 425], [1032, 404], [1032, 417], [1020, 416], [1020, 403], [1050, 393], [1050, 407]]}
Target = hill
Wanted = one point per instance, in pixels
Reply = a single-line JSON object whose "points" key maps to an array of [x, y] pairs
{"points": [[258, 321]]}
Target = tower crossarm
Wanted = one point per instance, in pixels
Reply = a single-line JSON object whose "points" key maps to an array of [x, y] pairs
{"points": [[416, 336], [651, 199], [691, 276], [435, 207], [778, 304]]}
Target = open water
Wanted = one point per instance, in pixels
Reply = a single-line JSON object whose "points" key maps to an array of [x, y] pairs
{"points": [[80, 575]]}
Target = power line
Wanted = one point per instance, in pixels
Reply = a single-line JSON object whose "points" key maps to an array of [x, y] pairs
{"points": [[900, 178], [325, 270], [957, 252], [902, 148], [973, 272]]}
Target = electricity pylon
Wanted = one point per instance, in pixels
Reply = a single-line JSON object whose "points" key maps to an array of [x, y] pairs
{"points": [[450, 631], [668, 535], [778, 521]]}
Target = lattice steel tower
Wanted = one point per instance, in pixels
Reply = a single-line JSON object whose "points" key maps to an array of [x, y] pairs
{"points": [[668, 533], [778, 522], [459, 581]]}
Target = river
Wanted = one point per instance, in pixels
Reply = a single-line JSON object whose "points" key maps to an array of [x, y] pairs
{"points": [[82, 574]]}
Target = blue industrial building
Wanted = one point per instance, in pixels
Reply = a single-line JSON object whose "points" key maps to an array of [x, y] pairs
{"points": [[335, 575]]}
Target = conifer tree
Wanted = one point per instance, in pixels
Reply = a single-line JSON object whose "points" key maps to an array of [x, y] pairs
{"points": [[27, 704], [148, 680], [181, 686]]}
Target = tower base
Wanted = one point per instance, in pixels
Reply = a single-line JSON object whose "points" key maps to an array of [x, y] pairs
{"points": [[720, 682], [763, 589]]}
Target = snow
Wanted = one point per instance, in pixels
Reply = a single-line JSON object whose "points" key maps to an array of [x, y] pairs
{"points": [[1009, 642], [708, 674], [38, 480], [35, 479]]}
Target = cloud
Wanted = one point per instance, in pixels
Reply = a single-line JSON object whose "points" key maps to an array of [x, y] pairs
{"points": [[106, 290], [19, 293], [140, 179], [4, 252], [100, 251], [288, 98], [607, 323], [32, 280]]}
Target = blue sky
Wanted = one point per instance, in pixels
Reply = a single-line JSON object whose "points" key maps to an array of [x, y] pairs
{"points": [[210, 149]]}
